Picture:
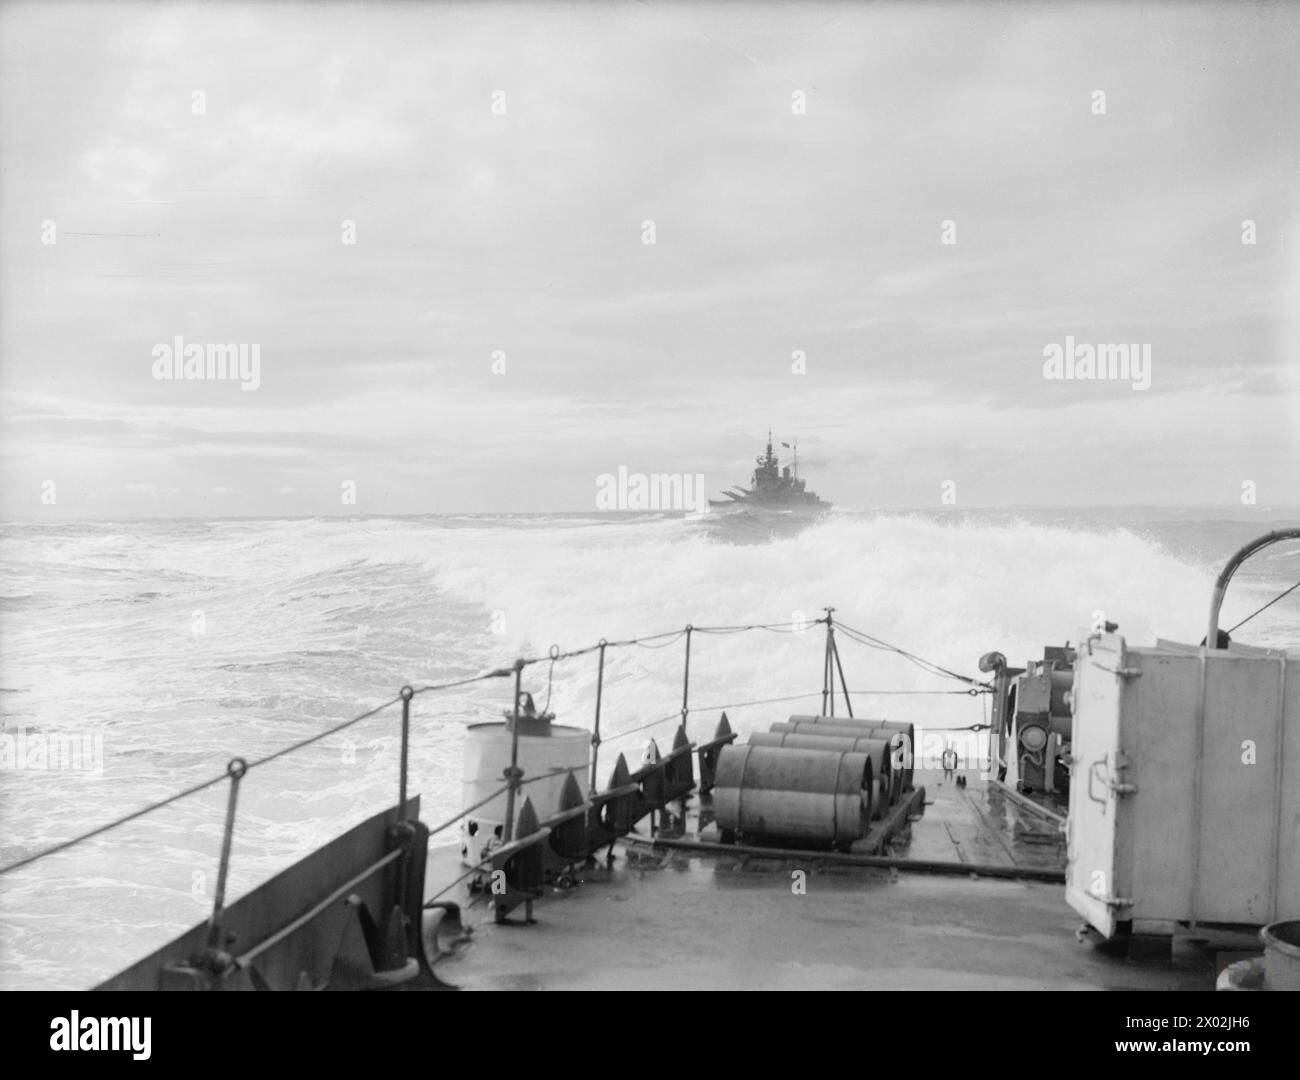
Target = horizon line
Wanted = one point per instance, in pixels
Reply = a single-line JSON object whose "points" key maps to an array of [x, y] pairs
{"points": [[1284, 508]]}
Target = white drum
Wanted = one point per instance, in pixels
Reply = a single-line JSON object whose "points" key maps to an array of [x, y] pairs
{"points": [[559, 751]]}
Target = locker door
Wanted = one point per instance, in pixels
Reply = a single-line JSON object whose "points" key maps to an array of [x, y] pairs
{"points": [[1093, 879]]}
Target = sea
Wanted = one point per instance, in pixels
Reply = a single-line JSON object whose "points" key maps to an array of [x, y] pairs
{"points": [[138, 658]]}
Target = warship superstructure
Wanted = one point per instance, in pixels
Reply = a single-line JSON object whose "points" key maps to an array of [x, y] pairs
{"points": [[774, 487]]}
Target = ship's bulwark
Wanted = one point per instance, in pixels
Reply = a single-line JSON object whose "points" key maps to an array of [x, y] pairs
{"points": [[342, 944]]}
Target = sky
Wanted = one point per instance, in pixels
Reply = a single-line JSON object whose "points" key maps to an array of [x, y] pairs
{"points": [[498, 333]]}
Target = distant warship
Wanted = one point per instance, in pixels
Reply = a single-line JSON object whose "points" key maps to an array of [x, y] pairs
{"points": [[774, 487]]}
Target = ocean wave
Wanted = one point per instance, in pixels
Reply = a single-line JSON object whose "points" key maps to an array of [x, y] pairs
{"points": [[256, 633]]}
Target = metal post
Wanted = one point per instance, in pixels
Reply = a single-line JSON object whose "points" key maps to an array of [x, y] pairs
{"points": [[822, 710], [513, 774], [996, 664], [828, 674], [595, 734], [835, 651], [235, 770], [407, 694], [686, 680]]}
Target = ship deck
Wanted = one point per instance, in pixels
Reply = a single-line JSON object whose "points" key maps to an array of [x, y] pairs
{"points": [[680, 917]]}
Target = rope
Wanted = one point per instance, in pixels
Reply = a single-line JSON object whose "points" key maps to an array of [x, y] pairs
{"points": [[632, 731], [1267, 606], [52, 849], [760, 701], [100, 830], [783, 628], [323, 734], [866, 639], [974, 691], [712, 708], [469, 810], [550, 679], [496, 673], [925, 665], [447, 888], [81, 838], [675, 638], [665, 639]]}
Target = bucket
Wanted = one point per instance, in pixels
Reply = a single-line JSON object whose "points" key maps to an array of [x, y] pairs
{"points": [[1282, 955]]}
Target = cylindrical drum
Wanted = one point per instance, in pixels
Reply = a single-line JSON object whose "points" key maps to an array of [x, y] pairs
{"points": [[1282, 955], [905, 749], [809, 718], [802, 795], [888, 784], [1062, 683], [554, 749]]}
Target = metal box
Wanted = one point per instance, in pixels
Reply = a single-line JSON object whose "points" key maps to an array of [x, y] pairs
{"points": [[1185, 786]]}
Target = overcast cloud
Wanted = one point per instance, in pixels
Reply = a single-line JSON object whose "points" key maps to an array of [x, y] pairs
{"points": [[522, 232]]}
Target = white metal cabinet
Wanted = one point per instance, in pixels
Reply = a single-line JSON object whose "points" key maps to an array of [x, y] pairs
{"points": [[1185, 786]]}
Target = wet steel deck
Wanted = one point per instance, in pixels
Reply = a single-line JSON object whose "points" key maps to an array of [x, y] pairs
{"points": [[979, 824], [665, 918]]}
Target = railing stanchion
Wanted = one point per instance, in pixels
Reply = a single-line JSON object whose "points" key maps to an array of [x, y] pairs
{"points": [[595, 734], [686, 678], [235, 770], [835, 651], [407, 694], [513, 774], [828, 675]]}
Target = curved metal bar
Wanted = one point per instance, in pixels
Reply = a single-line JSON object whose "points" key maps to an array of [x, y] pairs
{"points": [[1230, 568]]}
